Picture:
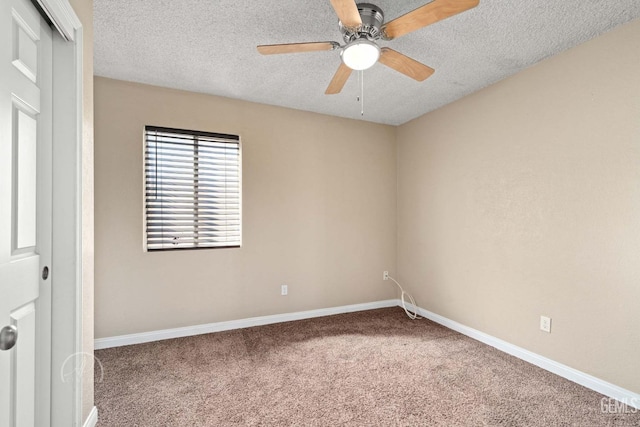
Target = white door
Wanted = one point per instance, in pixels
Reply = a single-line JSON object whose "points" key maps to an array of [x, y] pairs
{"points": [[25, 213]]}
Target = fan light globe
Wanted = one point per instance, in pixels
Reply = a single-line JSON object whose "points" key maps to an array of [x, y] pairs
{"points": [[360, 54]]}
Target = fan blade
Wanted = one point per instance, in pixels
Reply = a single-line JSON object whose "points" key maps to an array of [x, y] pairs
{"points": [[271, 49], [405, 65], [428, 14], [347, 12], [339, 79]]}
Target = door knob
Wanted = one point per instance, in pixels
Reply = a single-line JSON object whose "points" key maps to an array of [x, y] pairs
{"points": [[8, 337]]}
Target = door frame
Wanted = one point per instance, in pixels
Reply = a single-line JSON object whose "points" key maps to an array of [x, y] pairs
{"points": [[66, 277]]}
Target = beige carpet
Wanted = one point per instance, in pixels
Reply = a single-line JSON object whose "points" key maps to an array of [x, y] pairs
{"points": [[374, 368]]}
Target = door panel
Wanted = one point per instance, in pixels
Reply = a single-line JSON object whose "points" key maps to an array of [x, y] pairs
{"points": [[23, 364], [25, 48], [24, 191], [26, 25], [25, 207]]}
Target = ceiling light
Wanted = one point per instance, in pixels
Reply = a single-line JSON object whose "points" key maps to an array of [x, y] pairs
{"points": [[360, 54]]}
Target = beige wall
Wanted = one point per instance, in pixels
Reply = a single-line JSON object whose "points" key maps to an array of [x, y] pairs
{"points": [[524, 200], [319, 213], [84, 10]]}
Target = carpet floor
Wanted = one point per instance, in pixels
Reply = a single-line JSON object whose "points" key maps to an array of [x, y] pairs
{"points": [[372, 368]]}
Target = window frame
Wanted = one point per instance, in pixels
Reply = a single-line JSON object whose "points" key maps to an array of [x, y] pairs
{"points": [[235, 139]]}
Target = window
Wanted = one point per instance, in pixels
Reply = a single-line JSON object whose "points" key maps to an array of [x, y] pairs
{"points": [[192, 189]]}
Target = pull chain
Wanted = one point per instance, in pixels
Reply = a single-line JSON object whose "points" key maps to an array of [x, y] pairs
{"points": [[360, 98], [362, 92]]}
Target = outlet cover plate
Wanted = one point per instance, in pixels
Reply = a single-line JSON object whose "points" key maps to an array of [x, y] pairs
{"points": [[545, 324]]}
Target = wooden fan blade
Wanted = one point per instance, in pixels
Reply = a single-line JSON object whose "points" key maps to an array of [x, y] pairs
{"points": [[271, 49], [347, 12], [428, 14], [339, 79], [405, 65]]}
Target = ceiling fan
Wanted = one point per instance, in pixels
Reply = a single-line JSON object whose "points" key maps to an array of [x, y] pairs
{"points": [[362, 25]]}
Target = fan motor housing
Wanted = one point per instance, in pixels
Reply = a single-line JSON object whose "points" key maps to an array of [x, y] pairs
{"points": [[372, 19]]}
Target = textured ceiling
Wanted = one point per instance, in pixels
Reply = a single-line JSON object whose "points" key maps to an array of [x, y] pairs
{"points": [[209, 46]]}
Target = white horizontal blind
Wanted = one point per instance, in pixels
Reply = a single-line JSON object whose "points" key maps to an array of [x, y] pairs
{"points": [[192, 189]]}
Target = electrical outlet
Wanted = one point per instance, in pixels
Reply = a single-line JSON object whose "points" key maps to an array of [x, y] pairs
{"points": [[385, 275], [545, 324], [284, 290]]}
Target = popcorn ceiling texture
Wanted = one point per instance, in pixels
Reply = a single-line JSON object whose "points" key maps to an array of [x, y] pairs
{"points": [[210, 47]]}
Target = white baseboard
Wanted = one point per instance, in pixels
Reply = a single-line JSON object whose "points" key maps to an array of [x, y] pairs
{"points": [[92, 419], [611, 390], [118, 341]]}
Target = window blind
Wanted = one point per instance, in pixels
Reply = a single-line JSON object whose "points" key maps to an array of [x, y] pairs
{"points": [[192, 189]]}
